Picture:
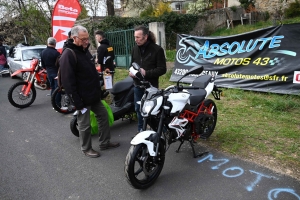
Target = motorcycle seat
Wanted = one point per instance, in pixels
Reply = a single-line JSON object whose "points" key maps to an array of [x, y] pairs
{"points": [[202, 81], [197, 96], [122, 85]]}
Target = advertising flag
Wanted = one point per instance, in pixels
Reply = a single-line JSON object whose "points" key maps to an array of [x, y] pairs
{"points": [[64, 15]]}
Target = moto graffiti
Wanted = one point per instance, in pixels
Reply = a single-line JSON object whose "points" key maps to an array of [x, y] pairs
{"points": [[235, 171]]}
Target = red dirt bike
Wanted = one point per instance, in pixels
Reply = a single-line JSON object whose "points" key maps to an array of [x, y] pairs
{"points": [[23, 94]]}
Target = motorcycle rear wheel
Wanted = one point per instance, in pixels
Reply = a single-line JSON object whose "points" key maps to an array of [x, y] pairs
{"points": [[140, 170], [16, 95], [61, 102], [210, 123], [73, 126]]}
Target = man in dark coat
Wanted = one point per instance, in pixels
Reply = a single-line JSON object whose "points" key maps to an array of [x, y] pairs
{"points": [[80, 80], [48, 59], [151, 58]]}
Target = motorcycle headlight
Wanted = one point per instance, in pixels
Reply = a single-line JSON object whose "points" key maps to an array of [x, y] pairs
{"points": [[148, 106]]}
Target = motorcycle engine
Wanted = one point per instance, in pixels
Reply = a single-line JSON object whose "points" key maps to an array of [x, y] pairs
{"points": [[200, 123]]}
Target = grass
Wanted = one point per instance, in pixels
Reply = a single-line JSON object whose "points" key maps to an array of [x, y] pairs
{"points": [[261, 127]]}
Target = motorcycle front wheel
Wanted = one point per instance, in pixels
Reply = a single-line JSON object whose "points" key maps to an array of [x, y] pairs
{"points": [[140, 169], [16, 95], [61, 102], [74, 126]]}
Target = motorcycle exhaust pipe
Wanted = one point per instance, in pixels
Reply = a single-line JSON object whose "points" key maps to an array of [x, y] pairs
{"points": [[41, 86]]}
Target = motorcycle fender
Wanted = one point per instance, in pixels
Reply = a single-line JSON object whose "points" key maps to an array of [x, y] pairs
{"points": [[141, 138], [209, 88], [19, 71], [75, 113]]}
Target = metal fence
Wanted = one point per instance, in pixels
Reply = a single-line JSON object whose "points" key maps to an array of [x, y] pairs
{"points": [[122, 42]]}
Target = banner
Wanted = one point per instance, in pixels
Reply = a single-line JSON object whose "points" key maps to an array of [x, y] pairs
{"points": [[265, 60], [64, 15]]}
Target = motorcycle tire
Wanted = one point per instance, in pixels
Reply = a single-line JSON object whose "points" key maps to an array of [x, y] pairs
{"points": [[140, 170], [16, 95], [210, 123], [63, 105], [73, 126]]}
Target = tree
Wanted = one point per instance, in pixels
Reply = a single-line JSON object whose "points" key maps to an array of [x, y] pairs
{"points": [[110, 7], [198, 7], [162, 8], [248, 5]]}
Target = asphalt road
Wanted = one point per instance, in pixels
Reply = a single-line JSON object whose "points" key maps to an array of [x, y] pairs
{"points": [[41, 159]]}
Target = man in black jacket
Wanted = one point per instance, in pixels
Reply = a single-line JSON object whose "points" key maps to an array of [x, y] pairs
{"points": [[81, 82], [48, 59], [151, 58]]}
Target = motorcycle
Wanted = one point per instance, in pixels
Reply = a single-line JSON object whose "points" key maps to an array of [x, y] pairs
{"points": [[177, 113], [61, 102], [22, 94], [122, 105]]}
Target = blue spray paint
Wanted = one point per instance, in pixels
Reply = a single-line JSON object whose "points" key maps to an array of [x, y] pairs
{"points": [[273, 194], [210, 157], [258, 179], [233, 169]]}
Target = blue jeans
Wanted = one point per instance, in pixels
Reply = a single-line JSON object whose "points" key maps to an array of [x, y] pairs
{"points": [[52, 81], [138, 94], [2, 67]]}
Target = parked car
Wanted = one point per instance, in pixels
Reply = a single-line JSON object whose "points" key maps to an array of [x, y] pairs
{"points": [[22, 57]]}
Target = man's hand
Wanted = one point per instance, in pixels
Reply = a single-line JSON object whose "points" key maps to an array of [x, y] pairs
{"points": [[143, 72]]}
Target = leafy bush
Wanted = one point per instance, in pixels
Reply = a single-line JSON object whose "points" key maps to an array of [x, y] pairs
{"points": [[293, 10]]}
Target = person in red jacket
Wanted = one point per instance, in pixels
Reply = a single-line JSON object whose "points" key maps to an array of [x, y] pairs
{"points": [[3, 61]]}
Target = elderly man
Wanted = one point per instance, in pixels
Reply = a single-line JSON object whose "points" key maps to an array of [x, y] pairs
{"points": [[48, 59], [81, 82]]}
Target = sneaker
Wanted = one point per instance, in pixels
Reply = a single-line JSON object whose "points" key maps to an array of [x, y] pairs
{"points": [[5, 71], [109, 145]]}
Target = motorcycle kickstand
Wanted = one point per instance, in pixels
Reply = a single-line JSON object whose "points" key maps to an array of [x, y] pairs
{"points": [[181, 142], [194, 153]]}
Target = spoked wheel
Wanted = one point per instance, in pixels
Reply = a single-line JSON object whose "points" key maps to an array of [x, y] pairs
{"points": [[140, 169], [61, 102], [74, 126], [209, 123], [16, 95]]}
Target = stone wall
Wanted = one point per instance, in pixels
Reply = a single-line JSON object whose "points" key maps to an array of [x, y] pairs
{"points": [[272, 5]]}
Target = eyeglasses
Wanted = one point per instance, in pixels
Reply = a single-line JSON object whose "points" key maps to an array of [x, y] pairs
{"points": [[83, 39]]}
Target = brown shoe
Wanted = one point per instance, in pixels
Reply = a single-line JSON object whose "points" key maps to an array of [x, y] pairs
{"points": [[110, 145], [91, 153]]}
